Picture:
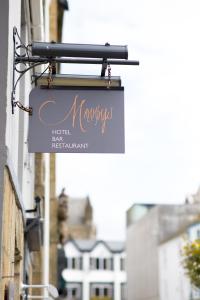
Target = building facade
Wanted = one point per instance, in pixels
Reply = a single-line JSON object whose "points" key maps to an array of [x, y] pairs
{"points": [[75, 218], [148, 227], [176, 284], [17, 166], [94, 270], [23, 180]]}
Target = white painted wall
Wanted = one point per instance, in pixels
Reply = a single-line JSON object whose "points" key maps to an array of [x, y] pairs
{"points": [[12, 123], [87, 276], [21, 163], [173, 283], [101, 251], [17, 125], [71, 250]]}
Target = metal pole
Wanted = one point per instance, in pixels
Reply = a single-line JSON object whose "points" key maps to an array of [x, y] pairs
{"points": [[34, 59], [46, 224], [27, 286], [37, 297]]}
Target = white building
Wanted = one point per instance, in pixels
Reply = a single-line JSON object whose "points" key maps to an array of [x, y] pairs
{"points": [[94, 270], [24, 177], [22, 21], [154, 242], [174, 283]]}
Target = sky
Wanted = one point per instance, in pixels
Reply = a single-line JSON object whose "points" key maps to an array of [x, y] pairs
{"points": [[162, 107]]}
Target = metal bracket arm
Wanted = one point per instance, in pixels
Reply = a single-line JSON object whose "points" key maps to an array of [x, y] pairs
{"points": [[23, 54]]}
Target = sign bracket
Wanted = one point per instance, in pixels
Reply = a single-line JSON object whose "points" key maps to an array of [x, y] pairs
{"points": [[20, 51], [37, 54]]}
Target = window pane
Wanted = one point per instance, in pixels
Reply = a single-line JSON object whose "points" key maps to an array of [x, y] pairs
{"points": [[112, 264], [81, 263], [73, 263], [92, 263], [123, 291], [122, 264], [105, 292], [97, 264], [97, 292], [105, 264]]}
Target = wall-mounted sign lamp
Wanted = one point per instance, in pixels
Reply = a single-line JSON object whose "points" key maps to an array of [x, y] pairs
{"points": [[79, 50], [39, 53]]}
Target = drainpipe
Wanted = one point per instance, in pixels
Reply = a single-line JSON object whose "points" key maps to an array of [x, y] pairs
{"points": [[46, 221], [4, 30], [38, 24], [37, 20], [47, 20]]}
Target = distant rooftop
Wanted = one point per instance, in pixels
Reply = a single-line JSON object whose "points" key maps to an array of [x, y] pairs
{"points": [[172, 219], [137, 211], [89, 245]]}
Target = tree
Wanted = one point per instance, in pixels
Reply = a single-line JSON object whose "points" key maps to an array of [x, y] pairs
{"points": [[191, 261]]}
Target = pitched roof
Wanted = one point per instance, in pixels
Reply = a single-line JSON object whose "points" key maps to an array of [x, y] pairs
{"points": [[89, 245]]}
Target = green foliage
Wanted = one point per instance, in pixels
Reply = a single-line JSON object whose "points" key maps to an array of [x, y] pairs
{"points": [[191, 261]]}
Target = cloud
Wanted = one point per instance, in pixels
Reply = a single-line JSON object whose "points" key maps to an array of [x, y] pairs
{"points": [[162, 161]]}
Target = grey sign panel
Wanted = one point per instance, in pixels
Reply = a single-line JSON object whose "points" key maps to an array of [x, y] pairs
{"points": [[77, 120]]}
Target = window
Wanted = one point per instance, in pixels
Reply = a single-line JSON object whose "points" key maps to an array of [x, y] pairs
{"points": [[123, 291], [106, 292], [73, 291], [97, 264], [111, 264], [74, 263], [101, 290], [104, 263], [122, 264], [101, 263], [97, 292], [92, 264]]}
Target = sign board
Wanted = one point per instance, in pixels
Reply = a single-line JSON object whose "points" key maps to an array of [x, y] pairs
{"points": [[77, 120]]}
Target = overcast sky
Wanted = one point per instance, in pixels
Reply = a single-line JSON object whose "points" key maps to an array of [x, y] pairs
{"points": [[162, 107]]}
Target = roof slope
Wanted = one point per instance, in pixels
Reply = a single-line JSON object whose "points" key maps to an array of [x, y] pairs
{"points": [[89, 245]]}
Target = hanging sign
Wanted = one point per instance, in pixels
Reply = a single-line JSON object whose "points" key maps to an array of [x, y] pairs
{"points": [[76, 120]]}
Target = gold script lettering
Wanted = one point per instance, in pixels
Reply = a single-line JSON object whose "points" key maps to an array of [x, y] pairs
{"points": [[79, 112], [98, 114]]}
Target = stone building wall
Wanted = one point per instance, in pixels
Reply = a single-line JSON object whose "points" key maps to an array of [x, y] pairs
{"points": [[37, 257], [12, 241], [75, 218], [53, 199], [22, 173], [84, 232], [54, 20], [53, 222]]}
